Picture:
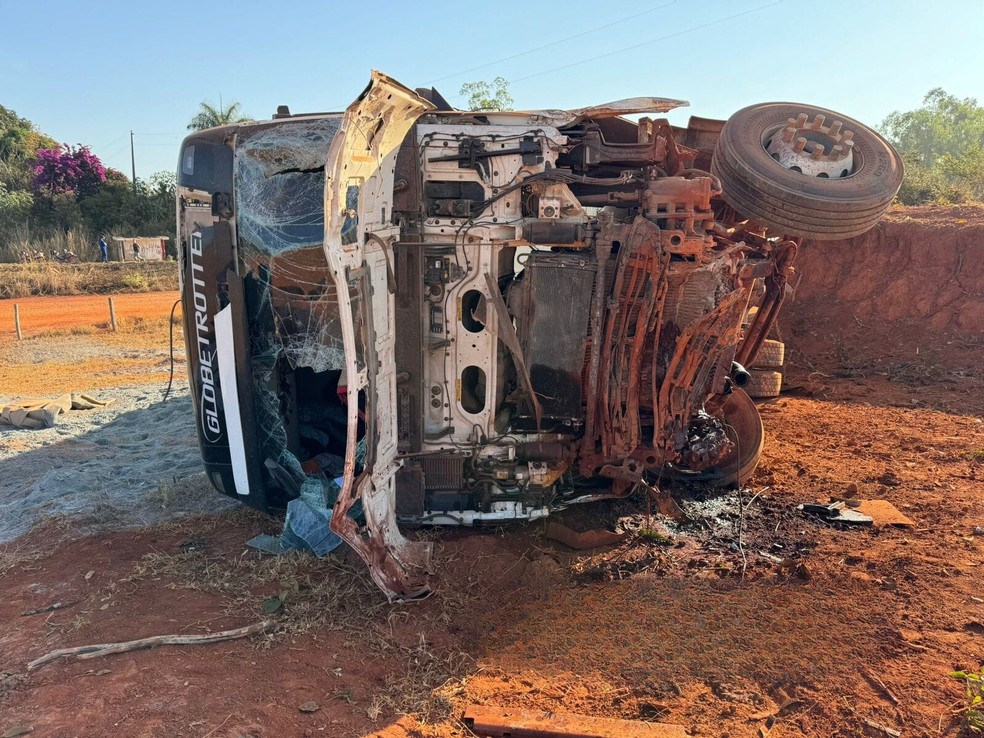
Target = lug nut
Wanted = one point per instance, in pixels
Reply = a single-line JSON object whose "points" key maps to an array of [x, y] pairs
{"points": [[818, 151], [835, 128], [817, 122], [788, 134], [800, 145], [801, 120]]}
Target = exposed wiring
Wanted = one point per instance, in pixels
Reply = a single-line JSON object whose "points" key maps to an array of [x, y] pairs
{"points": [[170, 378]]}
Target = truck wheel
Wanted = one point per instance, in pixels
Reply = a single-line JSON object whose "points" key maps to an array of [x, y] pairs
{"points": [[801, 170], [765, 383], [772, 355]]}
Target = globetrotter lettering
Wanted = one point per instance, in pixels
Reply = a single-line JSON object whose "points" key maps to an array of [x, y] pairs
{"points": [[209, 415]]}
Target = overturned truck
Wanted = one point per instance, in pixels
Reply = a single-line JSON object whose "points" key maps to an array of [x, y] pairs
{"points": [[420, 315]]}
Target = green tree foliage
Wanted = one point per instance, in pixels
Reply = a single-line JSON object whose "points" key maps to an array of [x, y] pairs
{"points": [[942, 144], [19, 139], [209, 116], [54, 197], [15, 207], [485, 95]]}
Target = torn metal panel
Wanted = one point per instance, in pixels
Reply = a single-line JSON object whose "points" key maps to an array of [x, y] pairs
{"points": [[357, 197]]}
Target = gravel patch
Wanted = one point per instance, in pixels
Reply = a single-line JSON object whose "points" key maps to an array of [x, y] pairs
{"points": [[132, 464]]}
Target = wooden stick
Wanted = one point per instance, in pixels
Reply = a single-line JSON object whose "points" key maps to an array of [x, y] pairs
{"points": [[17, 321], [112, 314], [104, 649], [873, 678]]}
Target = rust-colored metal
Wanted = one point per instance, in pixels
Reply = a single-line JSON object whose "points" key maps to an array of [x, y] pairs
{"points": [[768, 312], [582, 540], [496, 722], [685, 386], [637, 301]]}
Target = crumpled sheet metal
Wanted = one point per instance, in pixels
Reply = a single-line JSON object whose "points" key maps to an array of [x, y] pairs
{"points": [[37, 413]]}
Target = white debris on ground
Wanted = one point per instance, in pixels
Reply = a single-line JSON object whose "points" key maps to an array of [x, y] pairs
{"points": [[132, 464]]}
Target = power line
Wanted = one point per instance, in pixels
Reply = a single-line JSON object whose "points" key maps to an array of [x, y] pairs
{"points": [[648, 43], [555, 43]]}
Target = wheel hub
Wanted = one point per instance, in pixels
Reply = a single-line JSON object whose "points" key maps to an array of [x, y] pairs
{"points": [[812, 148]]}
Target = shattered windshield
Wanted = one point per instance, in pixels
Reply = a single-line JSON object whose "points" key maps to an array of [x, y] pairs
{"points": [[291, 300]]}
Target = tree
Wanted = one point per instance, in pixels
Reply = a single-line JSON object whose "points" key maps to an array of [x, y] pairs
{"points": [[19, 139], [68, 170], [210, 115], [15, 207], [943, 125], [943, 146], [485, 95]]}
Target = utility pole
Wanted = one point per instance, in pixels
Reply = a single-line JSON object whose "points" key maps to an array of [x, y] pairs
{"points": [[133, 164]]}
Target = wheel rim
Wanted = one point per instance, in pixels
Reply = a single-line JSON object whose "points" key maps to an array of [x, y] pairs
{"points": [[747, 433], [812, 148]]}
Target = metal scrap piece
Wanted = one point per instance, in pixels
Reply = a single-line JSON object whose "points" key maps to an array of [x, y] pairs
{"points": [[500, 722], [582, 540], [836, 512]]}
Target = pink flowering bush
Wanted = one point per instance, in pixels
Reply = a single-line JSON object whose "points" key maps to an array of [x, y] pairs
{"points": [[68, 170]]}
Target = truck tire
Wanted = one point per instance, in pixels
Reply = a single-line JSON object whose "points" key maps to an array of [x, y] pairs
{"points": [[844, 191], [764, 384], [772, 355]]}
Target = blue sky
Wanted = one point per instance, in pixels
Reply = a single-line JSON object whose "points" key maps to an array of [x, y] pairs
{"points": [[89, 72]]}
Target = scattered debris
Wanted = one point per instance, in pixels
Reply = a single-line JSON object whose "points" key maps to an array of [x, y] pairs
{"points": [[883, 728], [309, 706], [497, 722], [16, 731], [100, 672], [36, 413], [305, 526], [877, 682], [105, 649], [883, 512], [49, 608], [836, 512], [666, 505], [582, 540]]}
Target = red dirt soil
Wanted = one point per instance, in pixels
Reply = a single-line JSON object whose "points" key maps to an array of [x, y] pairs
{"points": [[41, 314], [834, 629]]}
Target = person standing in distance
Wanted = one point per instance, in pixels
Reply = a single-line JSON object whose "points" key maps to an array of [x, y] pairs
{"points": [[103, 249]]}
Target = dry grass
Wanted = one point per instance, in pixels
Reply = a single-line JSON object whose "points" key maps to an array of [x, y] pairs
{"points": [[51, 278], [12, 558], [323, 594]]}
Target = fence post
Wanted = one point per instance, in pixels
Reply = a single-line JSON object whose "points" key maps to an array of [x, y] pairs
{"points": [[17, 321], [112, 315]]}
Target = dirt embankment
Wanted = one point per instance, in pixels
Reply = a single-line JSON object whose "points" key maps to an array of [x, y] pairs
{"points": [[920, 266]]}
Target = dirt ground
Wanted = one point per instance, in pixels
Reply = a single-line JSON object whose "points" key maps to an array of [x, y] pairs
{"points": [[749, 611]]}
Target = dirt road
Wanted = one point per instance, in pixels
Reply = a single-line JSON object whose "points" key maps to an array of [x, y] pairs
{"points": [[45, 314]]}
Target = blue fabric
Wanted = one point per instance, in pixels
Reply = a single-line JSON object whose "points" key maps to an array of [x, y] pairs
{"points": [[306, 525]]}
